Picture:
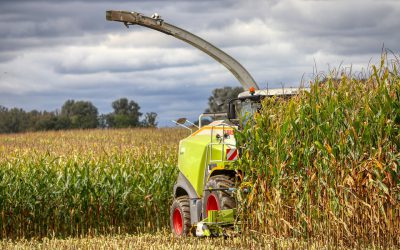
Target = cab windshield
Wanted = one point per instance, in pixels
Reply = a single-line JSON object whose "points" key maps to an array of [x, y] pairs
{"points": [[247, 108]]}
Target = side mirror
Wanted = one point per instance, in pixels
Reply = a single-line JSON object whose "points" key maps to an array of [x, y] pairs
{"points": [[231, 111], [181, 120]]}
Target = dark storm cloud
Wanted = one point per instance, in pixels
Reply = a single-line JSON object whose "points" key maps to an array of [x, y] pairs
{"points": [[116, 69], [51, 51], [4, 57], [342, 27], [25, 24], [48, 19]]}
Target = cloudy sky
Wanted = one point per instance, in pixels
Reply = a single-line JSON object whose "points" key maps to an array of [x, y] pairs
{"points": [[51, 51]]}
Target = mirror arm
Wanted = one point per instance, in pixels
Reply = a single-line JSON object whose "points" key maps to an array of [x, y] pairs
{"points": [[183, 126]]}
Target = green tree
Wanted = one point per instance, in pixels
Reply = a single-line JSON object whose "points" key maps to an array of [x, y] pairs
{"points": [[126, 114], [81, 114], [3, 119], [68, 108], [102, 121], [46, 121], [13, 120], [150, 120], [218, 101]]}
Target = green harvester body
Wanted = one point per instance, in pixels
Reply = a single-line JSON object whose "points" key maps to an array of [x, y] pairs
{"points": [[202, 155]]}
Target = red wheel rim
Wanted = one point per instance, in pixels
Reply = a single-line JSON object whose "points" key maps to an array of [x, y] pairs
{"points": [[212, 203], [178, 222]]}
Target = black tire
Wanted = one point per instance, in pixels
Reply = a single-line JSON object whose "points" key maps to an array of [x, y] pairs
{"points": [[223, 198], [180, 208]]}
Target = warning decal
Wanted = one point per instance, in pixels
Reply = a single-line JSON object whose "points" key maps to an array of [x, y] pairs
{"points": [[231, 154]]}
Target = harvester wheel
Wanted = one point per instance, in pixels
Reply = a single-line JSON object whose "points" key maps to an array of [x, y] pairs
{"points": [[180, 216], [218, 199]]}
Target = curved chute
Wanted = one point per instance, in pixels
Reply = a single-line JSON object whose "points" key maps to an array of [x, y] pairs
{"points": [[156, 23]]}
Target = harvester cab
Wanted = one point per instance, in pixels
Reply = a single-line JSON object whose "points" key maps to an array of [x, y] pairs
{"points": [[249, 102], [204, 201]]}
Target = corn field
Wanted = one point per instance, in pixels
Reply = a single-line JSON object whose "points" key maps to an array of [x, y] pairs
{"points": [[86, 182], [325, 165]]}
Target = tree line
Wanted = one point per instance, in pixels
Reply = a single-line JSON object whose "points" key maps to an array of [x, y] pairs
{"points": [[84, 115], [75, 115]]}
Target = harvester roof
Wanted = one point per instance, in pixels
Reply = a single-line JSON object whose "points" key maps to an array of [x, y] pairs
{"points": [[273, 92]]}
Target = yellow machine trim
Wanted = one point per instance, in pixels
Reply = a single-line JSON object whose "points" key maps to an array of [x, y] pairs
{"points": [[207, 130]]}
